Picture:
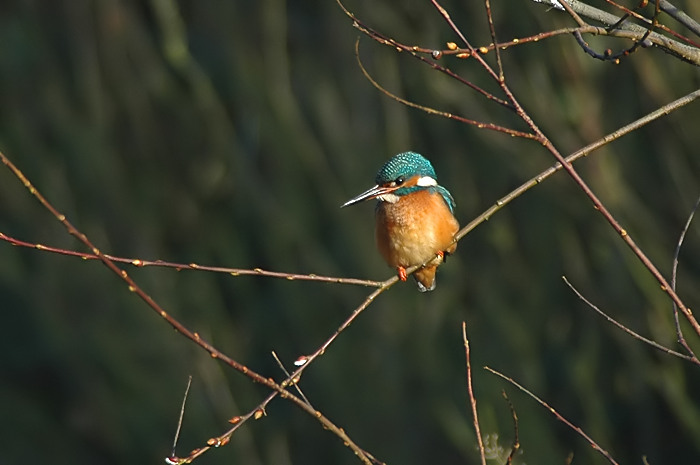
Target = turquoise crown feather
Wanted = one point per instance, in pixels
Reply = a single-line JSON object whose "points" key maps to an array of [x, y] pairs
{"points": [[406, 165]]}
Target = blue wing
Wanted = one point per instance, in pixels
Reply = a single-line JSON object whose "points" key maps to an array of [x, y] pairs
{"points": [[447, 197]]}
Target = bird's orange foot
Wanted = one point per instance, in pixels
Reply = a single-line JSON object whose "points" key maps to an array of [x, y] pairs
{"points": [[402, 273]]}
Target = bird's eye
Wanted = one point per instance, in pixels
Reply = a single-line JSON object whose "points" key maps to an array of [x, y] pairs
{"points": [[399, 180]]}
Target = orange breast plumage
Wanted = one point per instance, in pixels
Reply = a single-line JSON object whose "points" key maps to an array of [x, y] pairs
{"points": [[415, 224], [415, 229]]}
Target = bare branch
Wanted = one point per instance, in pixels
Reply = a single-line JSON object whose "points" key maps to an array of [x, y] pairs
{"points": [[676, 254], [172, 457], [432, 111], [492, 31], [472, 398], [516, 436], [278, 388], [558, 416], [628, 30], [139, 263], [583, 152], [679, 16], [637, 336]]}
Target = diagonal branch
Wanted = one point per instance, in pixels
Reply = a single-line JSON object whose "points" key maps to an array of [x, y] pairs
{"points": [[558, 416], [583, 152], [433, 111], [624, 328], [679, 15], [569, 168], [277, 388]]}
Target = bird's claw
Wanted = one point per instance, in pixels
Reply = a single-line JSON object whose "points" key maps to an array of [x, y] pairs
{"points": [[402, 273]]}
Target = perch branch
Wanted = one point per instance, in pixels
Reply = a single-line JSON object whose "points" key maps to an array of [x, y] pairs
{"points": [[278, 388]]}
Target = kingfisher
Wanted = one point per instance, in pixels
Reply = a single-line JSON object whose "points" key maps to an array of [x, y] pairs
{"points": [[415, 222]]}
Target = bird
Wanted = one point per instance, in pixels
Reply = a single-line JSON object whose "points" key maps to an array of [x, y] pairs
{"points": [[414, 217]]}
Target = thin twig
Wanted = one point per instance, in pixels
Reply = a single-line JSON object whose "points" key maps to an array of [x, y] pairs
{"points": [[182, 415], [472, 398], [569, 168], [278, 388], [558, 416], [573, 14], [679, 15], [583, 152], [140, 263], [432, 111], [448, 19], [635, 335], [516, 436], [602, 209], [295, 381], [688, 53], [674, 271], [492, 31], [598, 205], [646, 20], [415, 51]]}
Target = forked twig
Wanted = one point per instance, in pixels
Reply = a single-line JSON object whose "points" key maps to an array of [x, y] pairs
{"points": [[415, 50], [277, 388], [295, 381], [674, 272], [689, 53], [583, 152], [433, 111], [578, 180], [558, 416], [624, 328], [680, 16]]}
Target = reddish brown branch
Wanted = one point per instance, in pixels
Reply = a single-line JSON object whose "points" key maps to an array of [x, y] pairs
{"points": [[492, 31], [602, 209], [139, 263], [415, 52], [568, 167], [278, 388], [433, 111]]}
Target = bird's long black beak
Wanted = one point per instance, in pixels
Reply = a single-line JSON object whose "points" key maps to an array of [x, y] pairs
{"points": [[371, 193]]}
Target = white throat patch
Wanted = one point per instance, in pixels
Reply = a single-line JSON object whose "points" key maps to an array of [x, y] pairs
{"points": [[391, 198], [426, 181]]}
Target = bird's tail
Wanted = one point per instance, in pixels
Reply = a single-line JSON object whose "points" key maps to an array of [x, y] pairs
{"points": [[425, 278]]}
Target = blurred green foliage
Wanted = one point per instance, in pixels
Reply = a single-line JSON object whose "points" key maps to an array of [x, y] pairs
{"points": [[228, 133]]}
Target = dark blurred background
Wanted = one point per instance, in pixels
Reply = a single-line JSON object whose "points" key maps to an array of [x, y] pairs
{"points": [[228, 133]]}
